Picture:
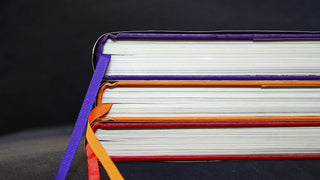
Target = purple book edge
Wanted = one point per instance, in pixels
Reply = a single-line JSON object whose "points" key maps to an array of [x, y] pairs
{"points": [[202, 36]]}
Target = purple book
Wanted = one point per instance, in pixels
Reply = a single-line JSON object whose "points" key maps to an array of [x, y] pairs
{"points": [[210, 56]]}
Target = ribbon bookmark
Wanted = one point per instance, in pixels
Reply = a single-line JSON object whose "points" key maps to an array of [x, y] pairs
{"points": [[83, 117], [96, 146], [93, 165]]}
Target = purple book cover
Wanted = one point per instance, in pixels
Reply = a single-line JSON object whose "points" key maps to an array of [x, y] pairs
{"points": [[98, 49]]}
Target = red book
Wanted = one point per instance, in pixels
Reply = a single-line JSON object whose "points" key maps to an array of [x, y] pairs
{"points": [[209, 141]]}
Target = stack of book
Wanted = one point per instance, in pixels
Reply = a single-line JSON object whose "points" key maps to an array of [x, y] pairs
{"points": [[206, 96]]}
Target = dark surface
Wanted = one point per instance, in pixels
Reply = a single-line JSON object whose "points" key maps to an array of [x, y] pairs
{"points": [[45, 69], [36, 154]]}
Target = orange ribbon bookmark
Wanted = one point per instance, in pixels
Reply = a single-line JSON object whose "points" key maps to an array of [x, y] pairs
{"points": [[96, 146]]}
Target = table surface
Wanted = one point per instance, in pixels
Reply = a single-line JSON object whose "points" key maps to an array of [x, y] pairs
{"points": [[36, 154]]}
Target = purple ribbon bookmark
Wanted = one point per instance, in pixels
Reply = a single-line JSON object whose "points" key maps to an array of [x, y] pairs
{"points": [[83, 117]]}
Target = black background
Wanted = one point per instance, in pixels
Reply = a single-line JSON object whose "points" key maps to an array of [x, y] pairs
{"points": [[46, 46]]}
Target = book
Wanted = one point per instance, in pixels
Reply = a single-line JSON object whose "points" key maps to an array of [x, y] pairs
{"points": [[206, 141], [209, 100], [158, 57]]}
